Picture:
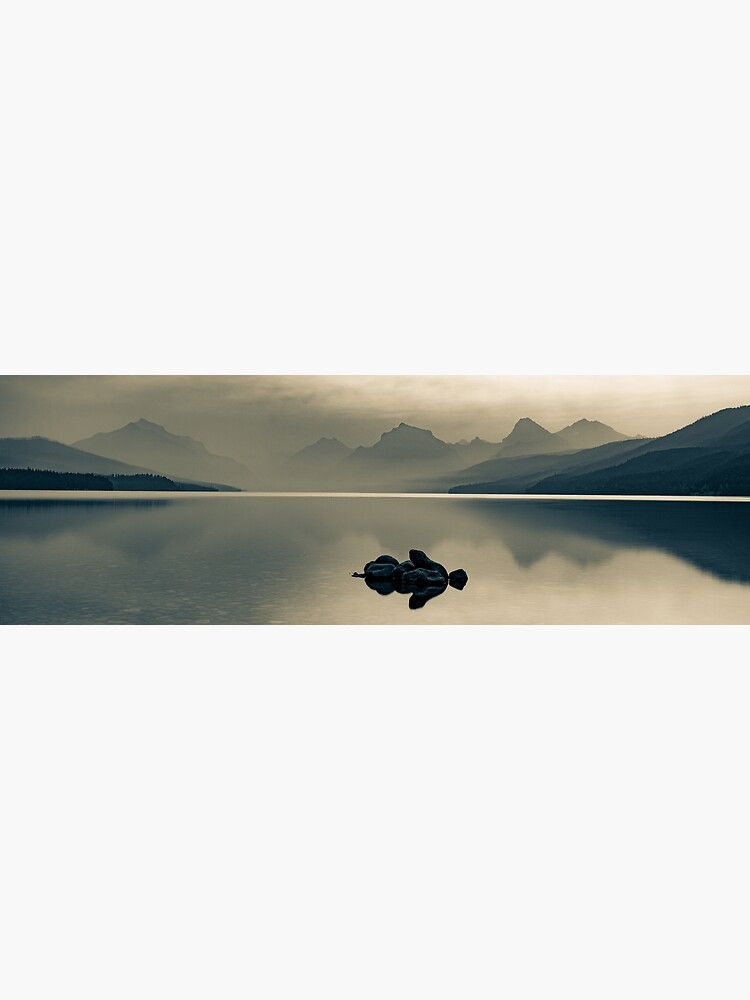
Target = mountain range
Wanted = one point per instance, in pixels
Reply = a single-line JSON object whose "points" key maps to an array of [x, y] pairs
{"points": [[401, 455], [408, 458], [530, 438], [44, 454], [143, 442], [710, 456], [53, 456]]}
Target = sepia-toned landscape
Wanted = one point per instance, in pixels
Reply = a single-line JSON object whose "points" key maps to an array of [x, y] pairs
{"points": [[306, 500]]}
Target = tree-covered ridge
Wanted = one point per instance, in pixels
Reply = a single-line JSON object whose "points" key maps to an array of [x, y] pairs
{"points": [[44, 479]]}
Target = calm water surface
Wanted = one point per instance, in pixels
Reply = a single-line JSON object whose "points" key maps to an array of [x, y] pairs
{"points": [[72, 558]]}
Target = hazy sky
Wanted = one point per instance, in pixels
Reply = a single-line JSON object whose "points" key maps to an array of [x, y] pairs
{"points": [[247, 416]]}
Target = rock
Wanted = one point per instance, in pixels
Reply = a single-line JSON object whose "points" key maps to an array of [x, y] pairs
{"points": [[384, 560], [421, 579], [423, 561], [419, 576], [378, 571], [403, 567]]}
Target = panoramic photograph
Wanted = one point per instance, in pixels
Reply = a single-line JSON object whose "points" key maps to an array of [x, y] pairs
{"points": [[374, 500], [399, 351]]}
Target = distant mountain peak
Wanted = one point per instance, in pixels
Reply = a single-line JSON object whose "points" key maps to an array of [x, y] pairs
{"points": [[324, 447], [147, 444], [147, 425], [585, 422], [328, 442], [405, 442], [527, 429], [525, 421], [529, 438], [404, 433], [407, 428], [585, 433]]}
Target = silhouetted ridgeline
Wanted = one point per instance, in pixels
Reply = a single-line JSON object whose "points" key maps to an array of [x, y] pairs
{"points": [[710, 457], [409, 458], [673, 472], [43, 454], [41, 479], [147, 482], [145, 443], [37, 479]]}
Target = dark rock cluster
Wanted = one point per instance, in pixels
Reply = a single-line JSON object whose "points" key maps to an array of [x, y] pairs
{"points": [[419, 576]]}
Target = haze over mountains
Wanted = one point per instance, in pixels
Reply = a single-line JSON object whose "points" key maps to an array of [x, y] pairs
{"points": [[530, 438], [53, 456], [709, 456], [409, 458], [146, 443], [43, 454]]}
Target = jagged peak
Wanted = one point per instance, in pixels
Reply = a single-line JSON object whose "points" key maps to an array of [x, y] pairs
{"points": [[146, 424], [526, 427], [528, 422], [323, 442], [585, 422], [409, 428], [465, 442]]}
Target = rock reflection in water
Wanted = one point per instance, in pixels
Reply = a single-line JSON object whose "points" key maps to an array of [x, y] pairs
{"points": [[418, 576]]}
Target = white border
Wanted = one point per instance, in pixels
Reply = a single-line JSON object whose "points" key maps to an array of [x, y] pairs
{"points": [[298, 188]]}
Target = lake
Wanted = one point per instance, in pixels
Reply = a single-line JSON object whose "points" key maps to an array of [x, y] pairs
{"points": [[161, 558]]}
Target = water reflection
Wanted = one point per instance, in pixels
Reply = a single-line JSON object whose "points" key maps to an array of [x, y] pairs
{"points": [[715, 537], [417, 598], [255, 560]]}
